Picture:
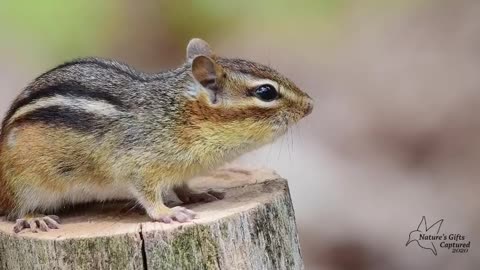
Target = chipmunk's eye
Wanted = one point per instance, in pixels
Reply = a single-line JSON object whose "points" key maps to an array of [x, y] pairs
{"points": [[266, 92]]}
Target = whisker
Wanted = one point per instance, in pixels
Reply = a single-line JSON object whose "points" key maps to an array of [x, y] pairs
{"points": [[290, 139], [281, 146], [270, 147], [293, 138], [133, 207]]}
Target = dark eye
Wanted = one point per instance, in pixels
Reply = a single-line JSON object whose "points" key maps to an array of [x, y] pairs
{"points": [[266, 92]]}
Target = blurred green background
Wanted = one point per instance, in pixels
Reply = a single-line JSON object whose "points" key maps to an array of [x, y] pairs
{"points": [[64, 30], [394, 135], [79, 27]]}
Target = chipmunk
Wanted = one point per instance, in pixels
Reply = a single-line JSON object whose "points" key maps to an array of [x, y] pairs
{"points": [[96, 130]]}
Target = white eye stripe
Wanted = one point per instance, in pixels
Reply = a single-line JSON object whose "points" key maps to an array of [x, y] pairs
{"points": [[252, 83]]}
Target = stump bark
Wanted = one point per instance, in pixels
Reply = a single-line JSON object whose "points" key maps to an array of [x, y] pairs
{"points": [[252, 228]]}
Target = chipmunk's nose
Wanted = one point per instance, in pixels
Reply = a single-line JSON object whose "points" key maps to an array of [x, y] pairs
{"points": [[309, 106]]}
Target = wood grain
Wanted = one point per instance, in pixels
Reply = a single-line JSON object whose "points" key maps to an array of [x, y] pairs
{"points": [[252, 228]]}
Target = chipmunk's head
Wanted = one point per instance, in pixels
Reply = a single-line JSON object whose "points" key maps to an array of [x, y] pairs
{"points": [[243, 97]]}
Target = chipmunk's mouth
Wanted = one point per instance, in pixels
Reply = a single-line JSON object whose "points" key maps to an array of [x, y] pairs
{"points": [[282, 123]]}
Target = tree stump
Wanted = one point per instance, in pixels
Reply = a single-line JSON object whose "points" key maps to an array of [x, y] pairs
{"points": [[252, 228]]}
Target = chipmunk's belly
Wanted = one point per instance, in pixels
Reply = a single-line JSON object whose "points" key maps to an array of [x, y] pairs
{"points": [[44, 199], [88, 193]]}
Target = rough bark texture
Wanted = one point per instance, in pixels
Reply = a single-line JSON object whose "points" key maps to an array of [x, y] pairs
{"points": [[252, 228]]}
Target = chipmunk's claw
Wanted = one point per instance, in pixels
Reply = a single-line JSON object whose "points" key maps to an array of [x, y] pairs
{"points": [[178, 213], [42, 223]]}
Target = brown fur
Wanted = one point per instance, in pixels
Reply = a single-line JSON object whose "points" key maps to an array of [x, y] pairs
{"points": [[46, 159], [6, 198]]}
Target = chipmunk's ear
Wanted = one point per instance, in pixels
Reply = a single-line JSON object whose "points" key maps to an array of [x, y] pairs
{"points": [[204, 68], [198, 47], [206, 72]]}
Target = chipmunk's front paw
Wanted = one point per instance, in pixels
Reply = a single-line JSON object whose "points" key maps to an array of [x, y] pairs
{"points": [[178, 213], [188, 196], [36, 223]]}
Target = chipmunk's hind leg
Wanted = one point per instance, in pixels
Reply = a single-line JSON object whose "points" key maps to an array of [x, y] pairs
{"points": [[187, 195], [36, 222]]}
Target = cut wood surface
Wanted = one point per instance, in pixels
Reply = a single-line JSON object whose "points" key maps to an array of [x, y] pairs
{"points": [[252, 228]]}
